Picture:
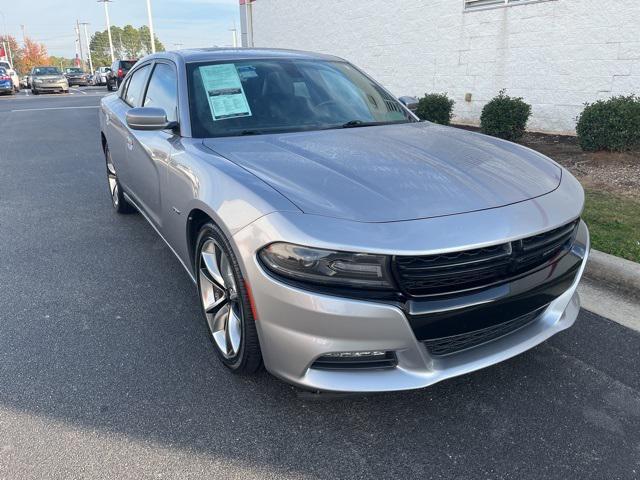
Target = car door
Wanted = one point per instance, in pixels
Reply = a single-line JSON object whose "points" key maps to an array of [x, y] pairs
{"points": [[150, 151]]}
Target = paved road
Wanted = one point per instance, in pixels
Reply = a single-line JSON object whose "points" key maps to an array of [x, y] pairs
{"points": [[105, 369]]}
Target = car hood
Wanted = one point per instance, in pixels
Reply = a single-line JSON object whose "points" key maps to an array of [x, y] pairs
{"points": [[392, 172]]}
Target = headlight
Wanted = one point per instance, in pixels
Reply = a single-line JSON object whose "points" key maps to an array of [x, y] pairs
{"points": [[327, 267], [37, 80]]}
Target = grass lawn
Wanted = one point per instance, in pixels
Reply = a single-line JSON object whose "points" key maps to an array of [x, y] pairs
{"points": [[614, 224]]}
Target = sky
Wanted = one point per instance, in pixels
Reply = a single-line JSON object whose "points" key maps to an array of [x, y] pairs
{"points": [[193, 23]]}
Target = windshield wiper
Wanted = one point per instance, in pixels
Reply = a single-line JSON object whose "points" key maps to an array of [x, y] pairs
{"points": [[362, 123], [358, 123]]}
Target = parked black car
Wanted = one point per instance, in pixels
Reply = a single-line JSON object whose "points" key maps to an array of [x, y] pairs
{"points": [[75, 76], [119, 70]]}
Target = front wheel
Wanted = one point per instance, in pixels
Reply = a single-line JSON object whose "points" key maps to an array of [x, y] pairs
{"points": [[225, 303]]}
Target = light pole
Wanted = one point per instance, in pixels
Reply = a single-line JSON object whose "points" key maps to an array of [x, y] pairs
{"points": [[7, 50], [234, 33], [80, 44], [106, 14], [86, 37], [153, 39]]}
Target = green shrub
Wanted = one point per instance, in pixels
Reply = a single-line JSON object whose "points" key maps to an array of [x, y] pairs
{"points": [[612, 124], [505, 117], [436, 108]]}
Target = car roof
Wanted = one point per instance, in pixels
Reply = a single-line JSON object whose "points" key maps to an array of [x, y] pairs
{"points": [[214, 54]]}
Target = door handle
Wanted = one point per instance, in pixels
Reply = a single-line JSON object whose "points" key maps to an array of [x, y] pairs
{"points": [[130, 143]]}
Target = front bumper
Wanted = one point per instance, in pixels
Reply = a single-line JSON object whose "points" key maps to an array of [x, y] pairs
{"points": [[296, 326], [55, 87], [83, 82]]}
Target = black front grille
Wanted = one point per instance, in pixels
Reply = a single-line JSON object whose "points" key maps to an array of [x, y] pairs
{"points": [[456, 343], [482, 267]]}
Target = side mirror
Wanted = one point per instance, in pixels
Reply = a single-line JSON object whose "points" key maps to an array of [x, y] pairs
{"points": [[148, 118], [410, 102]]}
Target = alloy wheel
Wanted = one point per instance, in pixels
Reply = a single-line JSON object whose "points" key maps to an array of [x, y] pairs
{"points": [[113, 180], [220, 299]]}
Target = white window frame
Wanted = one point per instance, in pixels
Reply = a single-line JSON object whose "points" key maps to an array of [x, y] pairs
{"points": [[499, 4]]}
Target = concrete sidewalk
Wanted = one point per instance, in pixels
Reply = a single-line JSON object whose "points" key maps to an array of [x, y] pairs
{"points": [[611, 288], [610, 302]]}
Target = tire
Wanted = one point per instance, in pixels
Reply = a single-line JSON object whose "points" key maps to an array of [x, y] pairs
{"points": [[225, 303], [120, 204]]}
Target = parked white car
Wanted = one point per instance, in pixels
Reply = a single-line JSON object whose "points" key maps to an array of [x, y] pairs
{"points": [[100, 76], [12, 73]]}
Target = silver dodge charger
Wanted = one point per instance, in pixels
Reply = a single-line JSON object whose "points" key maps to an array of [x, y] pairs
{"points": [[333, 237]]}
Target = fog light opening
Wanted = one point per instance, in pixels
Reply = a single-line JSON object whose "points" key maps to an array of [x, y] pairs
{"points": [[361, 360]]}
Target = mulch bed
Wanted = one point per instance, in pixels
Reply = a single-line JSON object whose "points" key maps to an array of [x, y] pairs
{"points": [[617, 173]]}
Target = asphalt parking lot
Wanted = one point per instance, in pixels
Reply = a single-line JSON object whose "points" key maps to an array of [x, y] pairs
{"points": [[106, 371]]}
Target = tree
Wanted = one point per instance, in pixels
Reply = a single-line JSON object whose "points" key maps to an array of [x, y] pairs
{"points": [[32, 54], [131, 41], [99, 47], [146, 40], [16, 52], [128, 42], [62, 62]]}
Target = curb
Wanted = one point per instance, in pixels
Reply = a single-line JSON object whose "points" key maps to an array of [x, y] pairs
{"points": [[616, 271]]}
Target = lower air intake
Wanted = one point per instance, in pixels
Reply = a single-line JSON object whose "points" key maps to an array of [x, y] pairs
{"points": [[439, 347]]}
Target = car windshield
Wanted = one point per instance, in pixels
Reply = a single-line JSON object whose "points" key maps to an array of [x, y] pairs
{"points": [[73, 70], [5, 65], [2, 71], [253, 97], [46, 71]]}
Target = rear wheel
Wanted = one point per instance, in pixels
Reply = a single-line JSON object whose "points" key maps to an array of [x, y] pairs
{"points": [[118, 201], [225, 303]]}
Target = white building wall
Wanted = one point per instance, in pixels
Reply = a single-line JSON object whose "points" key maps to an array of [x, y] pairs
{"points": [[556, 54]]}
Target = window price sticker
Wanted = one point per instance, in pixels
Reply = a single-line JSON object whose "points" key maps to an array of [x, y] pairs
{"points": [[224, 91]]}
